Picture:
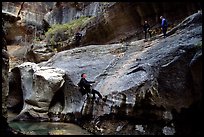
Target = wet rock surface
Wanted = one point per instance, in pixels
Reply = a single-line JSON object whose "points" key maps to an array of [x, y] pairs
{"points": [[148, 84], [48, 128]]}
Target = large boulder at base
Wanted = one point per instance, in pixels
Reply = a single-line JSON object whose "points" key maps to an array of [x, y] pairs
{"points": [[39, 85]]}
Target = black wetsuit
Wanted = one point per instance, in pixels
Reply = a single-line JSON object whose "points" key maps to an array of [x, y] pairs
{"points": [[78, 38], [146, 28], [85, 88]]}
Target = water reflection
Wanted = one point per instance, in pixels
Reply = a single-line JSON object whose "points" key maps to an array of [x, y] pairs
{"points": [[47, 128]]}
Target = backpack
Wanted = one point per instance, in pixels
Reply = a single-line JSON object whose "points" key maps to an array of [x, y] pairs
{"points": [[82, 89]]}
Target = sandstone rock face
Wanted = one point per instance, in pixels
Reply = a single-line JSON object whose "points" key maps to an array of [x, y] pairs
{"points": [[5, 129], [148, 84], [123, 20], [5, 80], [30, 12], [115, 21], [64, 12], [35, 17]]}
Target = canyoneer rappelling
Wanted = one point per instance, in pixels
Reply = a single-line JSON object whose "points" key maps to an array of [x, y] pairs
{"points": [[86, 88]]}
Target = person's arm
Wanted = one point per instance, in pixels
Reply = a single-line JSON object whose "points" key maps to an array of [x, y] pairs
{"points": [[144, 27], [87, 83], [148, 27], [90, 82], [162, 24]]}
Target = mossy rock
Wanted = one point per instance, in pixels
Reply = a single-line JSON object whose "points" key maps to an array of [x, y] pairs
{"points": [[63, 32]]}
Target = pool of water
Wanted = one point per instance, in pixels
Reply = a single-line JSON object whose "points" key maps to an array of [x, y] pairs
{"points": [[47, 128]]}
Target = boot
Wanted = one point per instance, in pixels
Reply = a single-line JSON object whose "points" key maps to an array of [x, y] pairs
{"points": [[104, 98]]}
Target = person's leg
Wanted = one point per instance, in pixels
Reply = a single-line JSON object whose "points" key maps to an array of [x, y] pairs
{"points": [[87, 94], [93, 94], [96, 92], [77, 43], [145, 34], [164, 29]]}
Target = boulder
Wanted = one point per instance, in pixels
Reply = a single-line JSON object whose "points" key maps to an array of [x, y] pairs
{"points": [[39, 85], [39, 52]]}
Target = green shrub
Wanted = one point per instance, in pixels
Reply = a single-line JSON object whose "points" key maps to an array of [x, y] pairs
{"points": [[37, 39], [68, 27], [64, 32], [199, 45]]}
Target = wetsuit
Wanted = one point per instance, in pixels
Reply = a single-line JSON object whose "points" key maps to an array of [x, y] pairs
{"points": [[146, 28], [85, 88]]}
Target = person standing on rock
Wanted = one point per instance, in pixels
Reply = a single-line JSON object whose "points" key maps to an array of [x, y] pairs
{"points": [[146, 29], [78, 37], [85, 87], [46, 20], [164, 26]]}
